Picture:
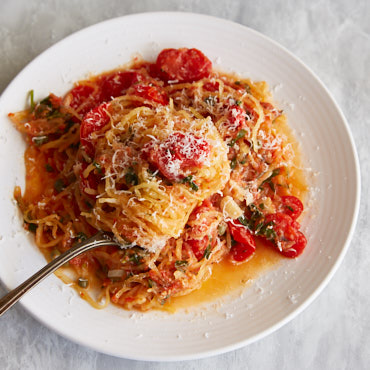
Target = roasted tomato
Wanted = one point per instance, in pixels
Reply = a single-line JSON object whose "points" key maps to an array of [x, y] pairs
{"points": [[117, 83], [182, 65], [83, 98], [244, 245], [291, 206], [93, 121], [286, 237]]}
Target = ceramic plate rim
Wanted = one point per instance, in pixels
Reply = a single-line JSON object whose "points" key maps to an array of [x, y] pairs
{"points": [[331, 271]]}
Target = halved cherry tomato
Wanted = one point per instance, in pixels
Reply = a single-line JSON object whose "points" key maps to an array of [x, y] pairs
{"points": [[289, 240], [297, 248], [177, 153], [182, 65], [116, 83], [199, 246], [240, 252], [152, 93], [291, 206], [84, 98], [245, 244], [93, 121]]}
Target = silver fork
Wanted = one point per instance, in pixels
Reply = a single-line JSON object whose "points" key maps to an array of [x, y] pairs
{"points": [[98, 240]]}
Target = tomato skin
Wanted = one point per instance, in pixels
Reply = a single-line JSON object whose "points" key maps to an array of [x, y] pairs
{"points": [[297, 248], [292, 206], [115, 84], [198, 246], [84, 98], [182, 65], [93, 121], [241, 252], [151, 93], [245, 244], [290, 240]]}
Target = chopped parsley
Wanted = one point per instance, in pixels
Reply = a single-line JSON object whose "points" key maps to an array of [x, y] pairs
{"points": [[207, 251], [32, 102], [39, 140], [59, 185], [49, 168], [31, 226], [98, 167], [189, 180], [240, 135], [151, 283], [136, 259], [233, 163], [81, 236], [131, 177]]}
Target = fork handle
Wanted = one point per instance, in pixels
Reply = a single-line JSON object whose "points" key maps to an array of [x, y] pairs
{"points": [[98, 240]]}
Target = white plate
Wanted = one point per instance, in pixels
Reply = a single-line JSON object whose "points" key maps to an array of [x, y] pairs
{"points": [[326, 143]]}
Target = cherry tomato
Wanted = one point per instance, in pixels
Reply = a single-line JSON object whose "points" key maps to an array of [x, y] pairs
{"points": [[291, 206], [116, 83], [93, 121], [84, 98], [297, 248], [182, 65], [245, 244], [177, 153], [289, 240], [199, 246], [152, 93], [240, 252]]}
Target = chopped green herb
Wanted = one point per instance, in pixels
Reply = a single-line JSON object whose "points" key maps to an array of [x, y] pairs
{"points": [[81, 236], [151, 283], [136, 259], [32, 102], [131, 177], [181, 265], [261, 206], [207, 252], [32, 227], [189, 180], [238, 102], [98, 167], [49, 168], [59, 185], [39, 140], [237, 83], [83, 283], [233, 163], [290, 208], [88, 204], [240, 135]]}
